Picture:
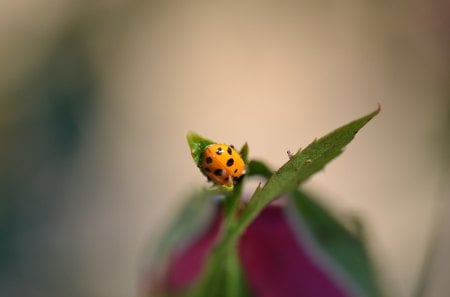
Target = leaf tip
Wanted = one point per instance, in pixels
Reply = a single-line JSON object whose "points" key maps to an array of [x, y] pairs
{"points": [[192, 137], [378, 108], [376, 111], [244, 152], [197, 144]]}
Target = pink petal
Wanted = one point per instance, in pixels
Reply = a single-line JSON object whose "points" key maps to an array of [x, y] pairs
{"points": [[276, 263], [186, 265]]}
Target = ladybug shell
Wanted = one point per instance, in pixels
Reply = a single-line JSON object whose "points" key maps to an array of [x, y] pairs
{"points": [[222, 164]]}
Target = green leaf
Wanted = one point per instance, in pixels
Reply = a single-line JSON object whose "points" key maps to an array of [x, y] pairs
{"points": [[299, 168], [346, 249], [197, 144], [257, 167], [244, 153], [190, 221]]}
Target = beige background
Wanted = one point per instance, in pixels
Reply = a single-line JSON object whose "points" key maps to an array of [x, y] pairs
{"points": [[274, 74]]}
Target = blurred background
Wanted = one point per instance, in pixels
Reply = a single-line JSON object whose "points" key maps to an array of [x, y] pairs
{"points": [[96, 98]]}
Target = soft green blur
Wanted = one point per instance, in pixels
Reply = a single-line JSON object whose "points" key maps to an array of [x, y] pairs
{"points": [[96, 99]]}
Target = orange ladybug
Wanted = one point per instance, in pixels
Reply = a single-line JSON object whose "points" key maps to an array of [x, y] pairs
{"points": [[222, 164]]}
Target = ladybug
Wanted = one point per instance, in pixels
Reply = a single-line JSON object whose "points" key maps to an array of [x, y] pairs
{"points": [[222, 164]]}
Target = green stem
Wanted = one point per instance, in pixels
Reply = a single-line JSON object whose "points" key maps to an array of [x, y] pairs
{"points": [[221, 276], [232, 277], [231, 204]]}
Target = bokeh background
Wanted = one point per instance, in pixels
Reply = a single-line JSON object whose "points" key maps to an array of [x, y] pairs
{"points": [[96, 98]]}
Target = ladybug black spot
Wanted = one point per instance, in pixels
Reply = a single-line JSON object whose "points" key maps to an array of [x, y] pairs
{"points": [[229, 151], [230, 162], [235, 170], [208, 160], [219, 151], [218, 172]]}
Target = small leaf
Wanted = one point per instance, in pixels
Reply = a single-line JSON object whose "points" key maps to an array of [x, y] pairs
{"points": [[257, 167], [197, 144], [244, 153], [300, 167]]}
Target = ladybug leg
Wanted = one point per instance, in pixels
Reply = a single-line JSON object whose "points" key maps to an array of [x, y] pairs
{"points": [[238, 179]]}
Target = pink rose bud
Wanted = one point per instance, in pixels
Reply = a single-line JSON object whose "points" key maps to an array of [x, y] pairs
{"points": [[277, 259]]}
